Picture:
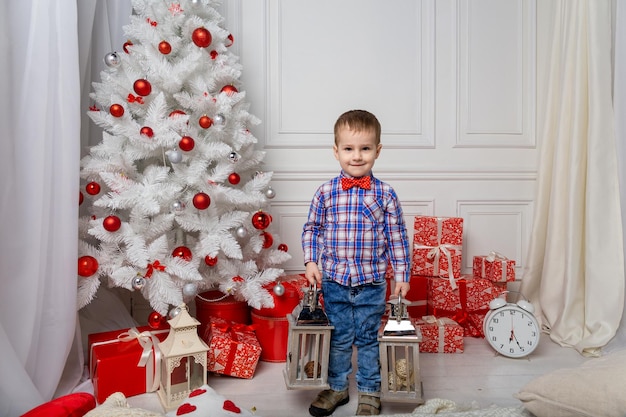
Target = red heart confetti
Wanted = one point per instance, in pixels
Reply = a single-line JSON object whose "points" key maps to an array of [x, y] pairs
{"points": [[197, 392], [230, 406], [185, 409]]}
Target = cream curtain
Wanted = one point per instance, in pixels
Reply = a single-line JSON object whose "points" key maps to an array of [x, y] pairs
{"points": [[575, 273], [619, 105]]}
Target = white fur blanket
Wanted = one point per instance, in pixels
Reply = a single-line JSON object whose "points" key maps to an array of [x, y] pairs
{"points": [[446, 408]]}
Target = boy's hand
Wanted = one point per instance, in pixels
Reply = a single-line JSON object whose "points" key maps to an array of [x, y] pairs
{"points": [[313, 274], [401, 288]]}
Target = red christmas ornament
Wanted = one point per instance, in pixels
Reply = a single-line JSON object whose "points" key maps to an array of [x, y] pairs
{"points": [[268, 240], [186, 143], [231, 39], [116, 110], [164, 47], [80, 198], [111, 223], [142, 87], [155, 320], [147, 131], [261, 220], [213, 54], [126, 45], [177, 112], [229, 89], [201, 201], [201, 37], [205, 122], [283, 247], [92, 188], [87, 266], [182, 252], [234, 178], [210, 261]]}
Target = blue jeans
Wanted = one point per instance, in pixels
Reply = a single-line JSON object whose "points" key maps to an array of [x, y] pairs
{"points": [[356, 313]]}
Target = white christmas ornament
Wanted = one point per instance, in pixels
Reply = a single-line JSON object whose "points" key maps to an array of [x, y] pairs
{"points": [[242, 232], [219, 119], [270, 193], [174, 156], [177, 206]]}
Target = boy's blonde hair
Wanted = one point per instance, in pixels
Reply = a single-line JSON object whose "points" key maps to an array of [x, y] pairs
{"points": [[358, 121]]}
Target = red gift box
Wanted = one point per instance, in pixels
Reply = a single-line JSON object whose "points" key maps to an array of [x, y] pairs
{"points": [[233, 348], [417, 295], [467, 304], [440, 335], [495, 267], [125, 361], [437, 246]]}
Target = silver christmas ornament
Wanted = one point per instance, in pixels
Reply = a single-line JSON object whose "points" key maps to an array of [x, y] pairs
{"points": [[174, 156], [195, 2], [279, 289], [112, 60], [219, 119], [242, 232], [234, 157], [177, 206], [270, 193], [138, 282], [174, 312], [190, 290]]}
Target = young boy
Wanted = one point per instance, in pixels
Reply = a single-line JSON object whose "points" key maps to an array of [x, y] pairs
{"points": [[354, 229]]}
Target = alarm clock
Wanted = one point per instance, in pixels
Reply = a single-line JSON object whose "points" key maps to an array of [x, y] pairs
{"points": [[511, 329]]}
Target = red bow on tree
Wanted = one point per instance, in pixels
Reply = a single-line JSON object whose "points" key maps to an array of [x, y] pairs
{"points": [[151, 267], [363, 182], [131, 99]]}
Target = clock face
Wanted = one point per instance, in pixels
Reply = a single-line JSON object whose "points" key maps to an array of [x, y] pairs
{"points": [[512, 331]]}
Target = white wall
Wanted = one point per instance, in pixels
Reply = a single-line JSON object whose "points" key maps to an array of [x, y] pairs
{"points": [[453, 83]]}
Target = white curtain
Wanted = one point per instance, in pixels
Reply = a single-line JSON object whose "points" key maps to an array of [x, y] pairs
{"points": [[575, 273], [40, 129], [41, 107]]}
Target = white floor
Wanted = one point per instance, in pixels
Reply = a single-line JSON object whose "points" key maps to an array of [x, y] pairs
{"points": [[476, 376]]}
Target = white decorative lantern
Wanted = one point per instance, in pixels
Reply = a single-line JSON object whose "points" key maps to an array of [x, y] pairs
{"points": [[399, 349], [183, 360], [308, 345]]}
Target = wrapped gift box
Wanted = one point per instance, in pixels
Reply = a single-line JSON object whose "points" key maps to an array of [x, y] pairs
{"points": [[494, 267], [440, 335], [233, 348], [417, 295], [467, 304], [125, 361], [437, 246]]}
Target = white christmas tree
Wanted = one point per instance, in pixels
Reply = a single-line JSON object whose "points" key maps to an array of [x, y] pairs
{"points": [[175, 201]]}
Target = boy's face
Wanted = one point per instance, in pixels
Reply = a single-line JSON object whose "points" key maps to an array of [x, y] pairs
{"points": [[356, 151]]}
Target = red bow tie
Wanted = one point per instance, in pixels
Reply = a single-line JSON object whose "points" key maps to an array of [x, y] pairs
{"points": [[363, 182]]}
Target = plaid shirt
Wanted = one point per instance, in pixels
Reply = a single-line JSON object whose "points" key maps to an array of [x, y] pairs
{"points": [[356, 233]]}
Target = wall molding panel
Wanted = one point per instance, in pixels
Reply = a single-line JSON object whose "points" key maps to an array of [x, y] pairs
{"points": [[496, 73]]}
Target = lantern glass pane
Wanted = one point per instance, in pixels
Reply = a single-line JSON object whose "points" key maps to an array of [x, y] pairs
{"points": [[401, 367], [179, 377], [196, 374]]}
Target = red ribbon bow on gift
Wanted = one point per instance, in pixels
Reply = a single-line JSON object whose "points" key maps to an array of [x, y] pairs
{"points": [[236, 327], [363, 182], [132, 99], [462, 315], [151, 267]]}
